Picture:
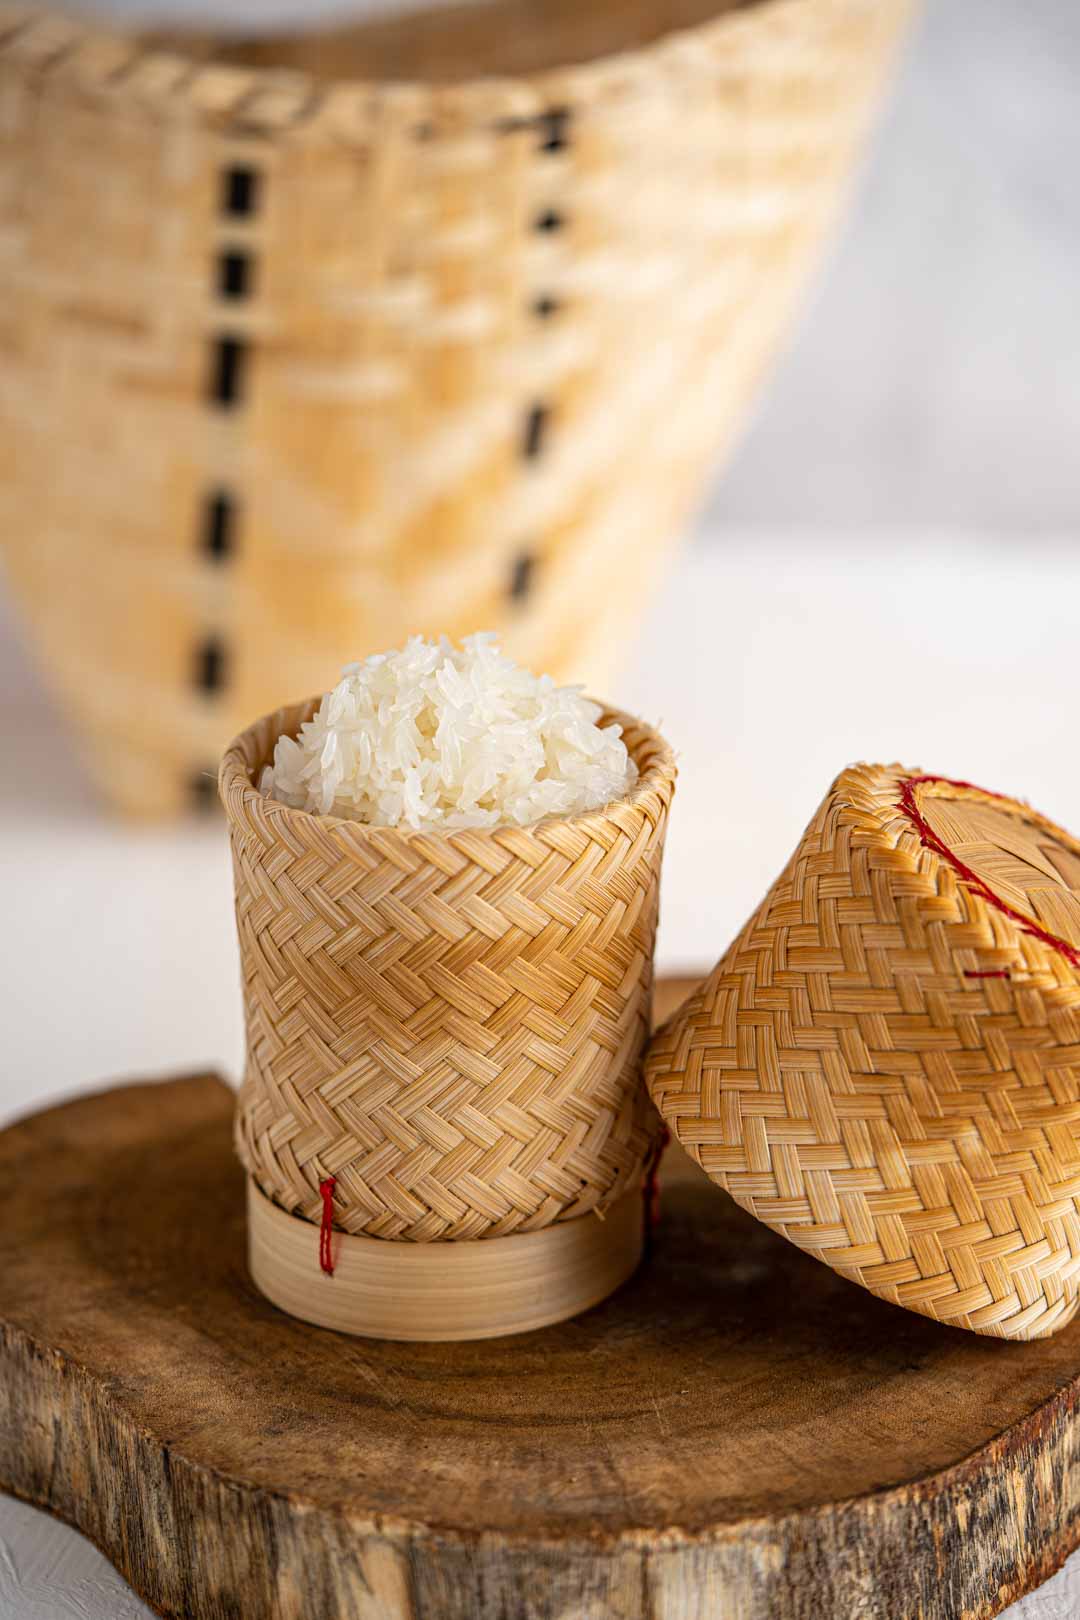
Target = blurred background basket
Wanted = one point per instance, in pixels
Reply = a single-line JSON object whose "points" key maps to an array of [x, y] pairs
{"points": [[313, 342]]}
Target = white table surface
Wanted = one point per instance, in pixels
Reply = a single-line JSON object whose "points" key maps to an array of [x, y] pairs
{"points": [[770, 662]]}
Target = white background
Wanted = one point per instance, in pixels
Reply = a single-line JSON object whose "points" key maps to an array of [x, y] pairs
{"points": [[889, 570]]}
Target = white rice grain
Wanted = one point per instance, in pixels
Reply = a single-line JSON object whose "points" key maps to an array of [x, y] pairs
{"points": [[441, 736]]}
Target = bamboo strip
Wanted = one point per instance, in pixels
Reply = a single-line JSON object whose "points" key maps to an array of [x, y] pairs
{"points": [[443, 1291]]}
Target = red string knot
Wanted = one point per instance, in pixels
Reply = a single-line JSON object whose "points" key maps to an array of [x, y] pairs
{"points": [[326, 1230], [651, 1185], [908, 806]]}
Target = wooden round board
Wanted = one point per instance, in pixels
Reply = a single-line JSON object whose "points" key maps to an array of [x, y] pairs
{"points": [[737, 1434]]}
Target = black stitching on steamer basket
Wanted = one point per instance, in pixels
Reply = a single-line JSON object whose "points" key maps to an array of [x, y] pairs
{"points": [[536, 425], [554, 130], [228, 371], [234, 274], [522, 576], [240, 191], [210, 665], [219, 526]]}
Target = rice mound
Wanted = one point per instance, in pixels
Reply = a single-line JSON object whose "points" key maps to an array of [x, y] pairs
{"points": [[435, 735]]}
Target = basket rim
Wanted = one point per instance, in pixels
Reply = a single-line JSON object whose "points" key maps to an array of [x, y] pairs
{"points": [[238, 791], [52, 44]]}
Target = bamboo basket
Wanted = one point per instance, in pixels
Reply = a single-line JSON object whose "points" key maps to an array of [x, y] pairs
{"points": [[885, 1065], [311, 343], [445, 1035]]}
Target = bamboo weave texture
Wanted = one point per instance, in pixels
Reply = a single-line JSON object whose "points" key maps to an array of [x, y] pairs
{"points": [[451, 1025], [885, 1065], [302, 352]]}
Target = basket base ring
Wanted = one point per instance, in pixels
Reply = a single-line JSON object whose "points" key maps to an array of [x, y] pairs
{"points": [[479, 1289]]}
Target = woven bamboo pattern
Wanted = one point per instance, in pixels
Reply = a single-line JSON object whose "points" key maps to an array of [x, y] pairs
{"points": [[885, 1065], [451, 1025], [302, 351]]}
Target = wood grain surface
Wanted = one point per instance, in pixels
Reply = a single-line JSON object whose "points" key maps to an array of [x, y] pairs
{"points": [[737, 1434]]}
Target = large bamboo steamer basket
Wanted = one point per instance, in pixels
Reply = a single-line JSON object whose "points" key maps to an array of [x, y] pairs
{"points": [[437, 324], [445, 1038]]}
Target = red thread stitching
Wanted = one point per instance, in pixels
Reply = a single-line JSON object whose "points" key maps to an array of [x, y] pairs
{"points": [[931, 840], [986, 973], [326, 1230], [650, 1186]]}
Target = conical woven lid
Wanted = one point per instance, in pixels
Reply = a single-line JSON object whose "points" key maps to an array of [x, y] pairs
{"points": [[884, 1065]]}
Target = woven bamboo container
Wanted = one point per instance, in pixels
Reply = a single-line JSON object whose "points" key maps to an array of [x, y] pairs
{"points": [[885, 1065], [312, 343], [451, 1026]]}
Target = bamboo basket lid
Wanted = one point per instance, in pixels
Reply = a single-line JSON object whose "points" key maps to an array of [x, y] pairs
{"points": [[884, 1067]]}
